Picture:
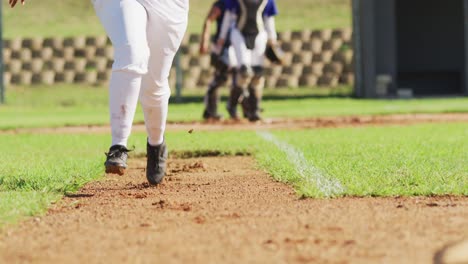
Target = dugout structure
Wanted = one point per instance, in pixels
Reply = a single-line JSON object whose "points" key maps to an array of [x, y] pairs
{"points": [[407, 48]]}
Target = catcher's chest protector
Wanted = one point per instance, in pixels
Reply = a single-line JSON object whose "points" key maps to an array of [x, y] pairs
{"points": [[250, 19]]}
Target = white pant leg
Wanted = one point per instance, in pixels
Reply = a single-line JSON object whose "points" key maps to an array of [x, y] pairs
{"points": [[258, 52], [243, 55], [167, 22], [125, 23], [231, 58]]}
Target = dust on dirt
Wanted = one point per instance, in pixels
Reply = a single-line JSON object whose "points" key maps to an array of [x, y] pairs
{"points": [[224, 210]]}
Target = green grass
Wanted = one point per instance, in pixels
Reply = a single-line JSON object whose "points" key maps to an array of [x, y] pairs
{"points": [[37, 169], [80, 105], [15, 205], [72, 18], [313, 14], [377, 161], [425, 159]]}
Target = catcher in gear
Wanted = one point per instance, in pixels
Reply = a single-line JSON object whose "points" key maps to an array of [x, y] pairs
{"points": [[221, 59], [253, 27]]}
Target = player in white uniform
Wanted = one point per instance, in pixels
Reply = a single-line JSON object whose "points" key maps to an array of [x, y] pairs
{"points": [[146, 35]]}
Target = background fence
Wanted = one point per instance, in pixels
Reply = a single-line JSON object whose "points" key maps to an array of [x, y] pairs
{"points": [[313, 58]]}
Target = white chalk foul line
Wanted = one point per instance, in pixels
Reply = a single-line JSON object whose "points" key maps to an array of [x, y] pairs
{"points": [[328, 186]]}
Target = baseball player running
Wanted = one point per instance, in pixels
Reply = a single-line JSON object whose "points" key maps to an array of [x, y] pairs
{"points": [[222, 60], [254, 28], [146, 35]]}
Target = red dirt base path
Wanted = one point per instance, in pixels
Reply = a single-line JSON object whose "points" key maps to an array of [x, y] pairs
{"points": [[274, 123], [223, 210]]}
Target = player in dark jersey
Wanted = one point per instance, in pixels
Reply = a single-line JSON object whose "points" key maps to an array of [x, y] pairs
{"points": [[221, 59], [254, 27]]}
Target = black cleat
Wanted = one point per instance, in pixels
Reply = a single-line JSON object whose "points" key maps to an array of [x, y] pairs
{"points": [[252, 106], [156, 163], [116, 162], [211, 117], [254, 117], [232, 112], [246, 109]]}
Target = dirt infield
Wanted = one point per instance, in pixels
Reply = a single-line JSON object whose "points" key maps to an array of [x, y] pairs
{"points": [[223, 210], [275, 123]]}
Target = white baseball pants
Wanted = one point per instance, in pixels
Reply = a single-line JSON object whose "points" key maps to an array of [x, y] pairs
{"points": [[244, 56], [146, 35]]}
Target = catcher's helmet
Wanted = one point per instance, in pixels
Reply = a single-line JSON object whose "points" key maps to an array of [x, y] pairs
{"points": [[275, 54]]}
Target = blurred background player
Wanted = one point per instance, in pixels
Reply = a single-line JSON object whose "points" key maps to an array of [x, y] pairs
{"points": [[221, 59], [254, 27]]}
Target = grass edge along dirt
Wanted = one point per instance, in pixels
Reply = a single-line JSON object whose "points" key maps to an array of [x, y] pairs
{"points": [[41, 168], [397, 159], [73, 105], [416, 160], [37, 170]]}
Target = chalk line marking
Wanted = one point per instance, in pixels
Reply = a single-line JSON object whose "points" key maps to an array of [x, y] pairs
{"points": [[328, 186]]}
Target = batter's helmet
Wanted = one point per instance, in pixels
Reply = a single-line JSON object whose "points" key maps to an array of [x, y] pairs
{"points": [[275, 54]]}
